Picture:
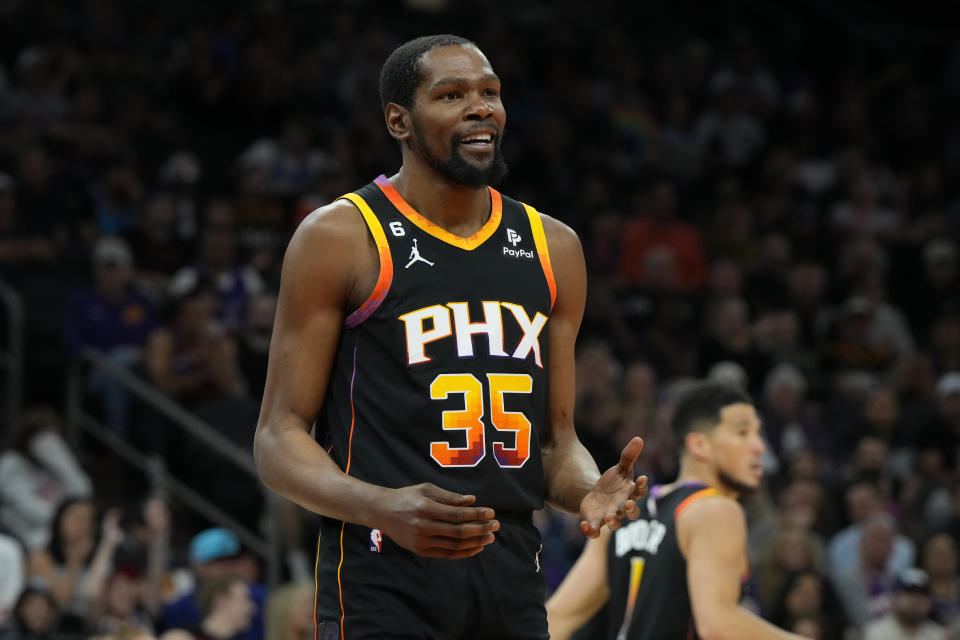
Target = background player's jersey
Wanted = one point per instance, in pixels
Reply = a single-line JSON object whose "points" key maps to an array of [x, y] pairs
{"points": [[648, 574], [441, 376]]}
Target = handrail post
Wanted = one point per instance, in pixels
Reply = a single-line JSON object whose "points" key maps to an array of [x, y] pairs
{"points": [[74, 399], [14, 357]]}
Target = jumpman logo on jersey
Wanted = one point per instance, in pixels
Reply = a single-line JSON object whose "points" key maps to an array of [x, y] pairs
{"points": [[415, 256]]}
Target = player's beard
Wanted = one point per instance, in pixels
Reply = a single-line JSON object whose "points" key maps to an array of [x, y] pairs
{"points": [[457, 170], [732, 484]]}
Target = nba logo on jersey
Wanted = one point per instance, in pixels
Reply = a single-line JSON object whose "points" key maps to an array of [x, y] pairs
{"points": [[376, 540]]}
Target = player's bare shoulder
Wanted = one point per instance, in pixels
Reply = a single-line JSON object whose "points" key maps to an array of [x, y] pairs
{"points": [[562, 241], [332, 248], [712, 516], [567, 261]]}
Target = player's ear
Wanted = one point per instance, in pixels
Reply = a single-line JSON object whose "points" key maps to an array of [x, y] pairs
{"points": [[398, 122], [697, 444]]}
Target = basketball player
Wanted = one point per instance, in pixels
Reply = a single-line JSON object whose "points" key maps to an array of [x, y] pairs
{"points": [[676, 571], [427, 323]]}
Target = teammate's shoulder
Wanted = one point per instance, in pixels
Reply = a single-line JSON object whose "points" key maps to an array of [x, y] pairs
{"points": [[709, 507]]}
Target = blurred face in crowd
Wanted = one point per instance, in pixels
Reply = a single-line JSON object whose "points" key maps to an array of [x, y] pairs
{"points": [[805, 597], [36, 613], [195, 313], [112, 278], [236, 604], [123, 592], [862, 501], [793, 551], [940, 557], [911, 606], [640, 383], [457, 118], [876, 544], [78, 522], [726, 278], [807, 282], [882, 409]]}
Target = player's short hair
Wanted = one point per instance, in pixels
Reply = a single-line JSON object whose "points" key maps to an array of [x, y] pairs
{"points": [[698, 409], [401, 73]]}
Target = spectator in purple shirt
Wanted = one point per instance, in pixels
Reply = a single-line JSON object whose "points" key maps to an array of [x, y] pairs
{"points": [[110, 316]]}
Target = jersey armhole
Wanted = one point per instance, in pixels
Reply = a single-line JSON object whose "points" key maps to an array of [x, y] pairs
{"points": [[693, 497], [375, 299], [540, 240]]}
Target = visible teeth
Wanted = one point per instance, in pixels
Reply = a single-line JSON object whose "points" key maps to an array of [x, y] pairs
{"points": [[479, 138]]}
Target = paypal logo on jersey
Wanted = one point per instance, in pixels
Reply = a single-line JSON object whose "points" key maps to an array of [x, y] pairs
{"points": [[439, 321], [514, 238]]}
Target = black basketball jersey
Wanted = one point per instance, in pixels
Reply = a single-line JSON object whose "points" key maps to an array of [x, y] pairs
{"points": [[441, 375], [648, 574]]}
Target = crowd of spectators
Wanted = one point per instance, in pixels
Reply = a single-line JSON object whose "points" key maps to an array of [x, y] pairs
{"points": [[764, 196]]}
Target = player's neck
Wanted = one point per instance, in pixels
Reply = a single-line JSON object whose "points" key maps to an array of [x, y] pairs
{"points": [[459, 210], [692, 472]]}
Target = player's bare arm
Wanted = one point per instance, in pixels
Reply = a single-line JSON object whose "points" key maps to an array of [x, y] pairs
{"points": [[712, 535], [573, 481], [330, 267], [583, 592]]}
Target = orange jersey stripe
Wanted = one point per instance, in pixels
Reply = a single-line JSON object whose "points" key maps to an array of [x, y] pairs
{"points": [[540, 240], [353, 419], [316, 590], [374, 300], [693, 497], [343, 612], [474, 241]]}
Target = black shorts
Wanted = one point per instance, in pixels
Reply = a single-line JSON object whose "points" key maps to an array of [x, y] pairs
{"points": [[393, 593]]}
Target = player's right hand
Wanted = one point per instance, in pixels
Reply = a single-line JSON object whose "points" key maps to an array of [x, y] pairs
{"points": [[431, 521]]}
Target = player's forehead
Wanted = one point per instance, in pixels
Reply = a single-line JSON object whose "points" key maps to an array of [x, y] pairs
{"points": [[739, 414], [453, 62]]}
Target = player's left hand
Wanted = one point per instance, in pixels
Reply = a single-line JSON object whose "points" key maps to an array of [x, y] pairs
{"points": [[615, 494]]}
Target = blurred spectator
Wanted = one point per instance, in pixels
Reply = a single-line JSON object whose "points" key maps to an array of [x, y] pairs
{"points": [[939, 558], [290, 613], [215, 554], [862, 503], [12, 576], [907, 619], [789, 425], [38, 471], [657, 231], [35, 616], [807, 594], [254, 341], [864, 589], [114, 318], [156, 243], [78, 559], [227, 609], [20, 248], [233, 283], [116, 198], [790, 550], [193, 359], [728, 336]]}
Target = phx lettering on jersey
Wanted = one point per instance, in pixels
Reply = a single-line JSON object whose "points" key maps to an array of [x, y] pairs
{"points": [[432, 323], [640, 535]]}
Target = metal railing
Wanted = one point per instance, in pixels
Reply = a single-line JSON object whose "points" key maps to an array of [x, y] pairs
{"points": [[11, 358], [266, 545]]}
